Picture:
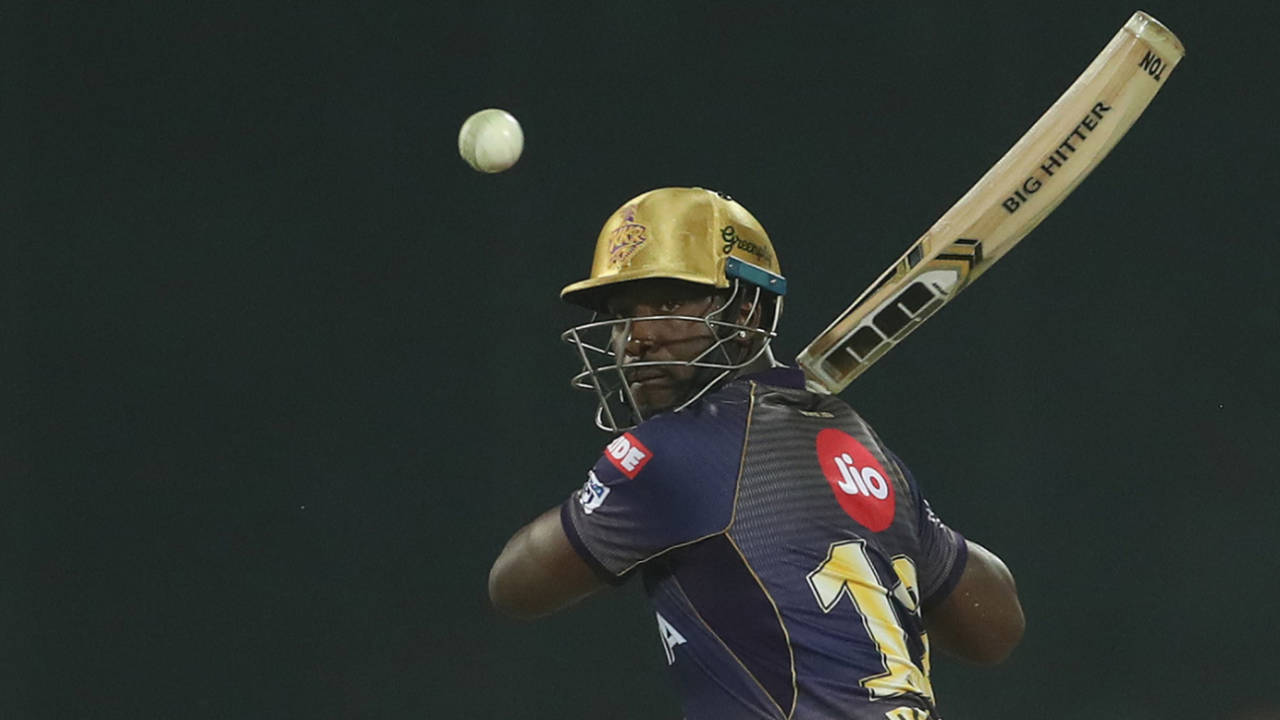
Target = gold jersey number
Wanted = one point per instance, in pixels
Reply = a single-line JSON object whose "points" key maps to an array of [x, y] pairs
{"points": [[848, 571]]}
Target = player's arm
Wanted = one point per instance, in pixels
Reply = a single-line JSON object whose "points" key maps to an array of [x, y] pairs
{"points": [[539, 572], [980, 620]]}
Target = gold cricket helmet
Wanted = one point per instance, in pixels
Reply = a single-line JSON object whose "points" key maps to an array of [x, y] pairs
{"points": [[687, 234]]}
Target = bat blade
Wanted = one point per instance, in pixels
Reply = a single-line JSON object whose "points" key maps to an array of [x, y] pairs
{"points": [[1008, 202]]}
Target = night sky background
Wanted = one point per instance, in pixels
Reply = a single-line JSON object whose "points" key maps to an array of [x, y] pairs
{"points": [[282, 373]]}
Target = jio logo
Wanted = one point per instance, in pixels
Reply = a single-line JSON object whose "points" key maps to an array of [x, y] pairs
{"points": [[858, 480], [867, 480]]}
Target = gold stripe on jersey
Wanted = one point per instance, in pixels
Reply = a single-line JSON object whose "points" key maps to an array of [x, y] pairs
{"points": [[729, 650], [907, 713], [733, 511], [791, 654]]}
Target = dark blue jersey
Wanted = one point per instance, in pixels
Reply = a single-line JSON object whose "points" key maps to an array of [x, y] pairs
{"points": [[787, 553]]}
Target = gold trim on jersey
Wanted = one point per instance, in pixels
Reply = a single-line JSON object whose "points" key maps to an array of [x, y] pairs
{"points": [[742, 458], [729, 650], [907, 713], [737, 484], [728, 534], [795, 689]]}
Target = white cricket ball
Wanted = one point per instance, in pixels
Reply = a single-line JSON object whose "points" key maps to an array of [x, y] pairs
{"points": [[491, 140]]}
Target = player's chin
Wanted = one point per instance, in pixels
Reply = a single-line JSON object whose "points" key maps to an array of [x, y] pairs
{"points": [[655, 396]]}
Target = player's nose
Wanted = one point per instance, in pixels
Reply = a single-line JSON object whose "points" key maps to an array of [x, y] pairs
{"points": [[635, 337], [640, 338]]}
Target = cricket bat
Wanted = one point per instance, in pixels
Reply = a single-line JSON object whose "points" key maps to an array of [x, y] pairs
{"points": [[1008, 202]]}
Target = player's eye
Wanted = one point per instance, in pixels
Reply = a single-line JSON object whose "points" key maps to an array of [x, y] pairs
{"points": [[611, 312], [670, 306]]}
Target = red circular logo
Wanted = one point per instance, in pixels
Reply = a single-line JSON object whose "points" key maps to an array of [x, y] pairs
{"points": [[859, 481]]}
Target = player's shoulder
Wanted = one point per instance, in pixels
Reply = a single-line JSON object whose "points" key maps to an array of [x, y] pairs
{"points": [[786, 389], [691, 435], [696, 440], [781, 383]]}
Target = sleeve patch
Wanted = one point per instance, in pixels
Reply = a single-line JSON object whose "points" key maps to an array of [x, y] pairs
{"points": [[592, 494], [628, 454]]}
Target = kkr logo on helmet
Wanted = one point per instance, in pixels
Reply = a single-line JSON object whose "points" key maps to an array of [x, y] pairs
{"points": [[627, 238]]}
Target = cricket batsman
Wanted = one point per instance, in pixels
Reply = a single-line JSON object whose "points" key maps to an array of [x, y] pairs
{"points": [[795, 567]]}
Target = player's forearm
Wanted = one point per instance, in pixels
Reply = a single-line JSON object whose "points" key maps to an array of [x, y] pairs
{"points": [[981, 620]]}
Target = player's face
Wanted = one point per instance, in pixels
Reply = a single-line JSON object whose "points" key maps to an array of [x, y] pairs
{"points": [[656, 337]]}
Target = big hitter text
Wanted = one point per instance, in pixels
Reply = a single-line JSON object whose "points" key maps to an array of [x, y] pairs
{"points": [[1056, 159]]}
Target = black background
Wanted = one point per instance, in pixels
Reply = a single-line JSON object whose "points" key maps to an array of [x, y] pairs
{"points": [[284, 372]]}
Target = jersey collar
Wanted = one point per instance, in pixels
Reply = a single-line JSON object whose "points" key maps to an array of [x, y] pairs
{"points": [[781, 376]]}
